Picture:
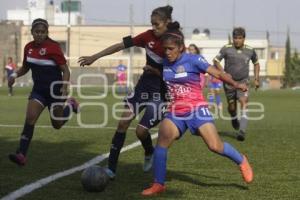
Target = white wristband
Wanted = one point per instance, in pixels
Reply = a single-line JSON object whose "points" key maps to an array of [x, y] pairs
{"points": [[14, 75]]}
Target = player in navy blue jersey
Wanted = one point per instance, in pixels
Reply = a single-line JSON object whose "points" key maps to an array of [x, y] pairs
{"points": [[50, 75], [188, 108], [148, 93]]}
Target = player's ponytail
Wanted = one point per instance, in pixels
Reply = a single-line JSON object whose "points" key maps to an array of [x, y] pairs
{"points": [[174, 33], [165, 12], [173, 26]]}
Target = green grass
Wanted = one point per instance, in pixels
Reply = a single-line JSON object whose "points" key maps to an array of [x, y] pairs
{"points": [[272, 146]]}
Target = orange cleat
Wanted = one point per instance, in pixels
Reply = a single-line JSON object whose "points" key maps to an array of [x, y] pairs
{"points": [[156, 188], [246, 170]]}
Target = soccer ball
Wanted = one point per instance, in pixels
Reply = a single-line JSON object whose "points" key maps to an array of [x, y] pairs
{"points": [[94, 179]]}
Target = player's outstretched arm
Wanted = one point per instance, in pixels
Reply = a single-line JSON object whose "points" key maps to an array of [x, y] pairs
{"points": [[88, 60], [20, 72], [256, 75], [226, 78], [66, 78]]}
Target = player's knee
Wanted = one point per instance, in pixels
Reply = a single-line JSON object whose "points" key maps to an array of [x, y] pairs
{"points": [[215, 147], [141, 132], [123, 125], [231, 108], [30, 120]]}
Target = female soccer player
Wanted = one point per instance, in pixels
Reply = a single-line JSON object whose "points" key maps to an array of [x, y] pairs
{"points": [[193, 49], [10, 67], [148, 92], [50, 76], [188, 109]]}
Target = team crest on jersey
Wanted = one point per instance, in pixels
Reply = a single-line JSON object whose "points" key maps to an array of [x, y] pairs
{"points": [[151, 44], [42, 51], [180, 72], [180, 69]]}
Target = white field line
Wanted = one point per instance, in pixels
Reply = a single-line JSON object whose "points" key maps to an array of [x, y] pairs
{"points": [[48, 126], [75, 127], [44, 181]]}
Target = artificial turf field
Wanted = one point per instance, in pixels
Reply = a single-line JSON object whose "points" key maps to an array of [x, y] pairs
{"points": [[272, 146]]}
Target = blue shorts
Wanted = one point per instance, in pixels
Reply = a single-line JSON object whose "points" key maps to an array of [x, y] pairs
{"points": [[152, 101], [192, 120], [44, 97], [215, 85]]}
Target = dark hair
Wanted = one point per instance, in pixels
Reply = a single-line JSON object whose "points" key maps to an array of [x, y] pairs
{"points": [[196, 48], [39, 21], [165, 12], [174, 33], [239, 31]]}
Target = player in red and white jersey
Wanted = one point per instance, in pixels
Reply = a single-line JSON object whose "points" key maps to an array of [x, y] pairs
{"points": [[50, 75], [149, 91]]}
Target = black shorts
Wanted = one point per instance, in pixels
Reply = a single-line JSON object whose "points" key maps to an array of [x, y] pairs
{"points": [[45, 98], [149, 99]]}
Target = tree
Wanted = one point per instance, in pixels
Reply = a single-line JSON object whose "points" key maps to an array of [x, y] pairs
{"points": [[287, 71], [295, 69]]}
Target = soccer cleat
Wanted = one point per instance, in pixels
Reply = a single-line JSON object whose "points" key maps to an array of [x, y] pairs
{"points": [[110, 173], [148, 162], [75, 104], [241, 135], [17, 158], [156, 188], [246, 170], [235, 124]]}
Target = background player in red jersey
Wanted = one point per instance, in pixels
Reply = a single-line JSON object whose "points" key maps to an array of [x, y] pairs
{"points": [[50, 75], [149, 85], [10, 68], [188, 108]]}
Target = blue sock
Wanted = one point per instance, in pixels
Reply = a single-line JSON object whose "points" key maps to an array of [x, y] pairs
{"points": [[218, 99], [231, 153], [160, 164]]}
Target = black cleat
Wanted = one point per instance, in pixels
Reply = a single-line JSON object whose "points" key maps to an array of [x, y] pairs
{"points": [[17, 158], [241, 136], [235, 124]]}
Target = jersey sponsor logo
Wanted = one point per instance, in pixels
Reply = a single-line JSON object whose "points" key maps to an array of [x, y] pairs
{"points": [[180, 89], [42, 51]]}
